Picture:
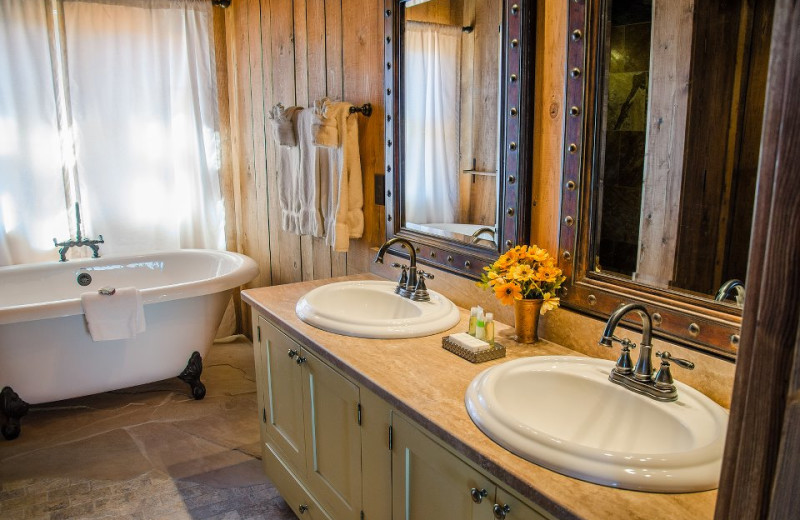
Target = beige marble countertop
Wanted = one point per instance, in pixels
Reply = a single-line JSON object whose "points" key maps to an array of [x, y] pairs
{"points": [[427, 383]]}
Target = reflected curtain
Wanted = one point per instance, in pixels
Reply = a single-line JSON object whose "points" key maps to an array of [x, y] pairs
{"points": [[139, 119], [432, 56]]}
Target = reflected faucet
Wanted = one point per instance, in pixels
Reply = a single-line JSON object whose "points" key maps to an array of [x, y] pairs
{"points": [[79, 240], [485, 229], [726, 288], [640, 378], [411, 284]]}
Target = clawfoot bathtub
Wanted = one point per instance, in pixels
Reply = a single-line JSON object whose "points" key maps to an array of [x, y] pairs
{"points": [[47, 353]]}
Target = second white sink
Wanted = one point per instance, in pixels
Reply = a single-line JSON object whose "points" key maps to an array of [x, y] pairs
{"points": [[371, 309], [563, 413]]}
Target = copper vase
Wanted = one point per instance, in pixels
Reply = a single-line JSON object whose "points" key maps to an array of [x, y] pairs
{"points": [[526, 320]]}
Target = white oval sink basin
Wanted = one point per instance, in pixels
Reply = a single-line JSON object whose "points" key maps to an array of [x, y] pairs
{"points": [[371, 309], [563, 413]]}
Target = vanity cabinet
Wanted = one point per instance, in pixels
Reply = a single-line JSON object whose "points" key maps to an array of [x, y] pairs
{"points": [[331, 459], [428, 481], [311, 427]]}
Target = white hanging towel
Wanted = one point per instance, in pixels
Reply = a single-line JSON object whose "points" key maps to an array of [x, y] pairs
{"points": [[342, 199], [312, 161], [114, 316], [284, 132]]}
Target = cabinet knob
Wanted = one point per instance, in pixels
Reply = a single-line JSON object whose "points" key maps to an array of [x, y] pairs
{"points": [[500, 512], [300, 360], [292, 353], [478, 494], [303, 508]]}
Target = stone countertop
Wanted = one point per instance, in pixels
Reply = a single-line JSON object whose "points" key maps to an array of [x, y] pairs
{"points": [[427, 383]]}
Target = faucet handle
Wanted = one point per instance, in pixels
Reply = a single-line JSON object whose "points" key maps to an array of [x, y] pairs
{"points": [[666, 357], [420, 293], [423, 274], [403, 281], [663, 378]]}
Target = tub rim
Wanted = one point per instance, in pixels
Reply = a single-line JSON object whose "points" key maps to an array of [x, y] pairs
{"points": [[243, 269]]}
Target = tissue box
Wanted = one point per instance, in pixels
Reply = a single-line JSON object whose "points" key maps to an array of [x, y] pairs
{"points": [[493, 352]]}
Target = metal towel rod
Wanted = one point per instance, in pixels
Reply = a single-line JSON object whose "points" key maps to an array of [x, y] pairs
{"points": [[365, 109]]}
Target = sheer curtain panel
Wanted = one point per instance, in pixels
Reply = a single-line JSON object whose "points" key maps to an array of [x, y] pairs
{"points": [[138, 78], [32, 196]]}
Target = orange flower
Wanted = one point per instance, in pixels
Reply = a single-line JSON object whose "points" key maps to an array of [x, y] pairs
{"points": [[508, 292], [549, 302]]}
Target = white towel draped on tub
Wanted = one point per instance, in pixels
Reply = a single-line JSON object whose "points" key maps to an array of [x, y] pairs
{"points": [[115, 316]]}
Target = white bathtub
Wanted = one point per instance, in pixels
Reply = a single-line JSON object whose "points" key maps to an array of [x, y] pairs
{"points": [[46, 352]]}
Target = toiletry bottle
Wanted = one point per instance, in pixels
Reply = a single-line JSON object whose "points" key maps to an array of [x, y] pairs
{"points": [[480, 326], [489, 326], [473, 317]]}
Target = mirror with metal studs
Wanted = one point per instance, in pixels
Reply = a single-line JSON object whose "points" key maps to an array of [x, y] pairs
{"points": [[660, 167], [458, 102]]}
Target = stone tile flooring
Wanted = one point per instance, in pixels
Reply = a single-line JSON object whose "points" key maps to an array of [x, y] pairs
{"points": [[148, 452]]}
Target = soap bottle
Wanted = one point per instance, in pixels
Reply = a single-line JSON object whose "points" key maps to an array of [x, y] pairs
{"points": [[489, 326], [480, 325], [473, 318]]}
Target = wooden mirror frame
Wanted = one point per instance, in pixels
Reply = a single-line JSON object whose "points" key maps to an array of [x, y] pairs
{"points": [[690, 320], [515, 162]]}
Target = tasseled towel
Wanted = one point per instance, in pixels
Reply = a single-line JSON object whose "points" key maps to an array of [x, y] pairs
{"points": [[341, 198], [298, 184]]}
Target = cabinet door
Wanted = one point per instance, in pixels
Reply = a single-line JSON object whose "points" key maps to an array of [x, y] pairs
{"points": [[429, 482], [333, 439], [284, 396], [512, 508]]}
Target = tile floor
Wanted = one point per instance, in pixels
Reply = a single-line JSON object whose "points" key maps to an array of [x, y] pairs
{"points": [[148, 452]]}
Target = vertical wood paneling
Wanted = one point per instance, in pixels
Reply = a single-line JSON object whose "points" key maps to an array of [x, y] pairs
{"points": [[294, 52], [334, 29], [362, 56], [287, 269], [548, 122], [317, 88]]}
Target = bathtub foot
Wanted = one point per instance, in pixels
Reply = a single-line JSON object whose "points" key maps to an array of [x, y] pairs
{"points": [[191, 376], [12, 409]]}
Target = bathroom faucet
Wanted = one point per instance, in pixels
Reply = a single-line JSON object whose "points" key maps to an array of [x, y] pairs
{"points": [[79, 240], [640, 378], [411, 284]]}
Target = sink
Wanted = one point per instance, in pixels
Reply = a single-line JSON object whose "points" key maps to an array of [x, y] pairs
{"points": [[371, 309], [563, 413]]}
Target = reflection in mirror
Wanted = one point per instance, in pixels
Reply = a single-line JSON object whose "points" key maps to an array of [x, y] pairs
{"points": [[680, 102], [451, 57]]}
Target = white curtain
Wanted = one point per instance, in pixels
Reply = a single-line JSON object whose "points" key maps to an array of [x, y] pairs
{"points": [[138, 78], [32, 196], [432, 55]]}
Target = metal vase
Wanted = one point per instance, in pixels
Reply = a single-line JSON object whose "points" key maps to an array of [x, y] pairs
{"points": [[526, 320]]}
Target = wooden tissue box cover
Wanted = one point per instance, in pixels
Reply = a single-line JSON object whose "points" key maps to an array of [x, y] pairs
{"points": [[494, 352]]}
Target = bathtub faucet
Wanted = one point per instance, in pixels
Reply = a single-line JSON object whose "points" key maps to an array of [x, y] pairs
{"points": [[79, 241]]}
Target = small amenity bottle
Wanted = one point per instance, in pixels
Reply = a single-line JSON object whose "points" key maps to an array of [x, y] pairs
{"points": [[473, 317], [480, 325], [489, 326]]}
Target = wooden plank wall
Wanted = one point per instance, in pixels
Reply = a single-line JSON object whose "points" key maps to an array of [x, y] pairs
{"points": [[295, 52]]}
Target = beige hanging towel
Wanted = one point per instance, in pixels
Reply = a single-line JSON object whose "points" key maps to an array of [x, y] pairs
{"points": [[342, 198]]}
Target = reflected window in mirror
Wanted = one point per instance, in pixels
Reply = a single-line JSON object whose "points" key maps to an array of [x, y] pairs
{"points": [[668, 164], [459, 98]]}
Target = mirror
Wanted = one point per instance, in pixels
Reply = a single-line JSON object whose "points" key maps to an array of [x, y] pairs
{"points": [[667, 165], [458, 108], [450, 108]]}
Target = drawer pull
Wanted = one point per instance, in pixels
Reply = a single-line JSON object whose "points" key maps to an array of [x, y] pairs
{"points": [[303, 508], [478, 495], [500, 512], [292, 353]]}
